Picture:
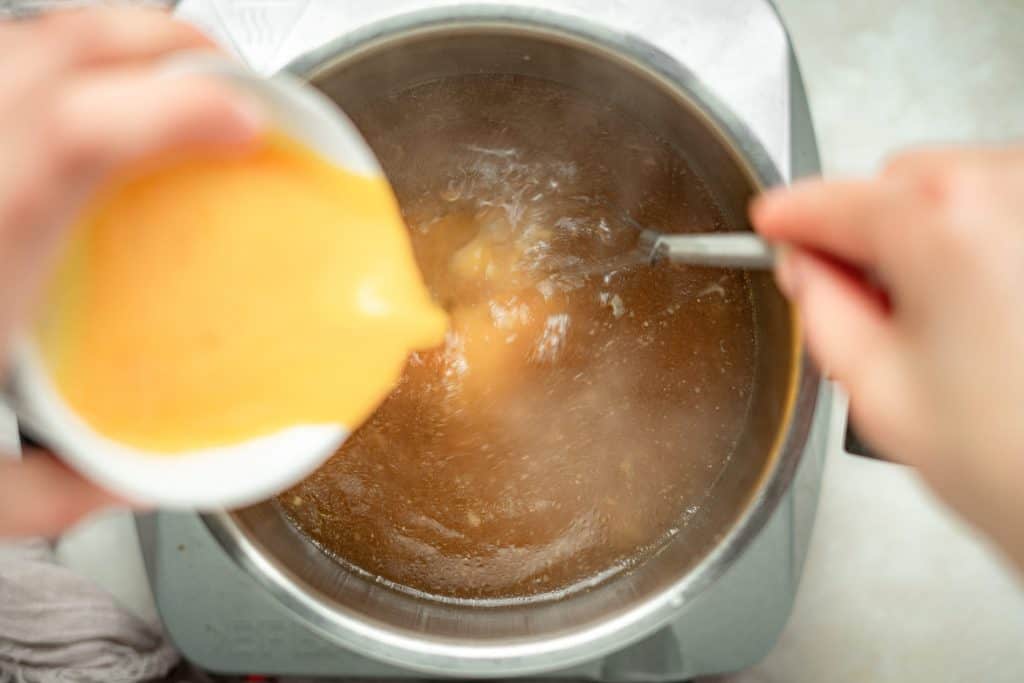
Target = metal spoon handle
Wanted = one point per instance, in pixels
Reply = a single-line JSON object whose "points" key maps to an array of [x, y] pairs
{"points": [[723, 250]]}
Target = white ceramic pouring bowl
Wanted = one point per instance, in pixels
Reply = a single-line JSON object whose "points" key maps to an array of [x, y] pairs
{"points": [[220, 477]]}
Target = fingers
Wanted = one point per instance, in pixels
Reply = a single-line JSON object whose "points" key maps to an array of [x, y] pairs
{"points": [[94, 125], [850, 335], [116, 117], [100, 36], [843, 219], [119, 116], [35, 54], [41, 496], [844, 320]]}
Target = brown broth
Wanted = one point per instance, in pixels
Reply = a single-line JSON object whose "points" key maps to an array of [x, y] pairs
{"points": [[583, 404]]}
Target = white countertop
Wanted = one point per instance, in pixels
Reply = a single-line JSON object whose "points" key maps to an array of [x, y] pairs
{"points": [[895, 589]]}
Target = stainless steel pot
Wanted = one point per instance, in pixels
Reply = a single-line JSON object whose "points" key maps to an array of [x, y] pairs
{"points": [[463, 639]]}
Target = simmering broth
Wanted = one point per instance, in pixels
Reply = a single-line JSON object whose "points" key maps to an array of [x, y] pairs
{"points": [[582, 406]]}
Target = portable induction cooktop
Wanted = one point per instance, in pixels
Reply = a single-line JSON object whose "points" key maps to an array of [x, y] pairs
{"points": [[224, 621]]}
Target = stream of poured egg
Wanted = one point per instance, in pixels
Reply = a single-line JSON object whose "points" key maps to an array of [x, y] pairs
{"points": [[210, 299]]}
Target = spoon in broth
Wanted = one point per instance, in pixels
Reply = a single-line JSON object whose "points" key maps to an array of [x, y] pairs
{"points": [[740, 250]]}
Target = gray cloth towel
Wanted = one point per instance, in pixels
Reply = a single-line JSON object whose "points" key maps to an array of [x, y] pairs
{"points": [[57, 626]]}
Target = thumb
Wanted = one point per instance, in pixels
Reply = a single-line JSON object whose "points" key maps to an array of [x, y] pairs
{"points": [[41, 496]]}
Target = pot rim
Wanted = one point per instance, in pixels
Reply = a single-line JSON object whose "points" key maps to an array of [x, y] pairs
{"points": [[520, 657]]}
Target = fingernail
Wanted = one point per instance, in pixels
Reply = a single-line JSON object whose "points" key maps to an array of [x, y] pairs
{"points": [[788, 272]]}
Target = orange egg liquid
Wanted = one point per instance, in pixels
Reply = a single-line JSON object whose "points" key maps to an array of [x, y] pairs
{"points": [[212, 299]]}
